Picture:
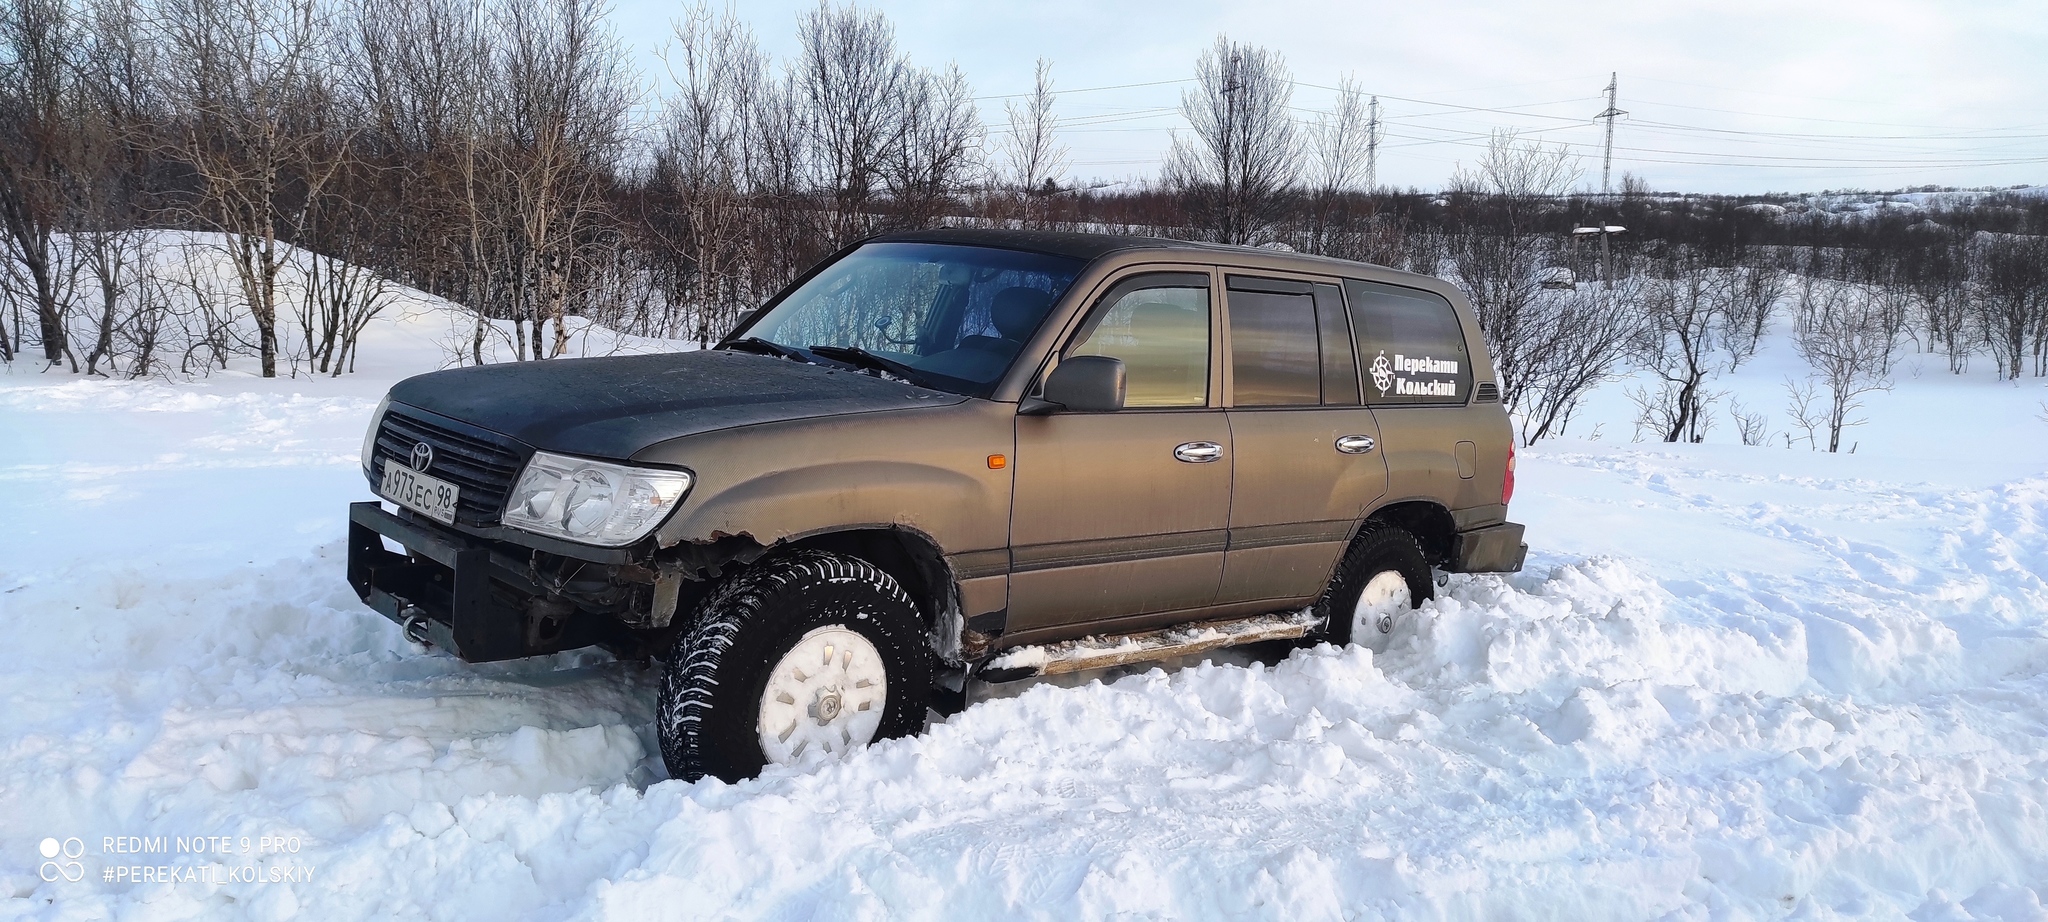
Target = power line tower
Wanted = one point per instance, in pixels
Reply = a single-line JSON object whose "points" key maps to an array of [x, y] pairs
{"points": [[1607, 150], [1372, 146], [1607, 165]]}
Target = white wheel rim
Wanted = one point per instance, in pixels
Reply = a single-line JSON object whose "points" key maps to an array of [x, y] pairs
{"points": [[1384, 597], [824, 697]]}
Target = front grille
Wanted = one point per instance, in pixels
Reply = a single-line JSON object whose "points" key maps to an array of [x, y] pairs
{"points": [[482, 468]]}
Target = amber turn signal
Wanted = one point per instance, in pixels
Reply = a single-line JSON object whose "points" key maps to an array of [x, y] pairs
{"points": [[997, 462]]}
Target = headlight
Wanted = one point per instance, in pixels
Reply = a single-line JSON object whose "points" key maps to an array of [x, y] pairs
{"points": [[370, 434], [592, 502]]}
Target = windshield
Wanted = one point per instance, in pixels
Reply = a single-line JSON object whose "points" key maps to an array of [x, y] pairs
{"points": [[948, 317]]}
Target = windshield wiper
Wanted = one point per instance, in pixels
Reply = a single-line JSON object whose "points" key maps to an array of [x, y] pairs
{"points": [[764, 347], [855, 355]]}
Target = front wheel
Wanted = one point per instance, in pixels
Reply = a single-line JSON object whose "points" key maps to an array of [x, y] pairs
{"points": [[804, 656], [1380, 582]]}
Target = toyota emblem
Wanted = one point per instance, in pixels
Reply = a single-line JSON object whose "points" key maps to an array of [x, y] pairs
{"points": [[422, 456]]}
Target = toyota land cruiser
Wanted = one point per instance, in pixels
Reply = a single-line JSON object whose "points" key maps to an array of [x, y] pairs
{"points": [[949, 456]]}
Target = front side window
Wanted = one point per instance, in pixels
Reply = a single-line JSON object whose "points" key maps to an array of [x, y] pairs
{"points": [[1159, 326], [1410, 345], [947, 316]]}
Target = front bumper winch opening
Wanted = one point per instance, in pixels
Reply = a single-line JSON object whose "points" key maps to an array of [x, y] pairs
{"points": [[457, 593]]}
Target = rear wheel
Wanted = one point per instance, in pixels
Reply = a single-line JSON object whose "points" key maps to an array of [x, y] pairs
{"points": [[1380, 582], [806, 656]]}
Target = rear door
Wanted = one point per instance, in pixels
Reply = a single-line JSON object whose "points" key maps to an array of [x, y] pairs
{"points": [[1120, 515], [1308, 458], [1418, 381]]}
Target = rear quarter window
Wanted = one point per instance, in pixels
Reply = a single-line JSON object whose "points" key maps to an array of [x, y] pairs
{"points": [[1411, 347]]}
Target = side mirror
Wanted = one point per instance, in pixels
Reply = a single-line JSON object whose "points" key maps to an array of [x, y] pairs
{"points": [[1087, 384]]}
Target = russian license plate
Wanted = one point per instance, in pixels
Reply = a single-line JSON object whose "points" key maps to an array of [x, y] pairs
{"points": [[431, 496]]}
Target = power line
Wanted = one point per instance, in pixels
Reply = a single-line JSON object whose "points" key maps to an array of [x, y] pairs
{"points": [[1782, 95], [1991, 140], [1801, 136], [1814, 162], [1093, 89], [1800, 118], [1456, 107]]}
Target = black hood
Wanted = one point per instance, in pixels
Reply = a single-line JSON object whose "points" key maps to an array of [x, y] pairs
{"points": [[614, 407]]}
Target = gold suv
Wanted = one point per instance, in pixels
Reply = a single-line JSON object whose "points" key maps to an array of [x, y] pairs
{"points": [[947, 457]]}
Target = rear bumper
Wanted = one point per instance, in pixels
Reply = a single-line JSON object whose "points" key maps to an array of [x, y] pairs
{"points": [[465, 595], [1493, 549]]}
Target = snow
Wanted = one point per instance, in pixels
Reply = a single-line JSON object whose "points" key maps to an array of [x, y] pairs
{"points": [[1732, 682]]}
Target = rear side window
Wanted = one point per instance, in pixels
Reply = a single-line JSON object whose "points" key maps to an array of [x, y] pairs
{"points": [[1274, 356], [1410, 345]]}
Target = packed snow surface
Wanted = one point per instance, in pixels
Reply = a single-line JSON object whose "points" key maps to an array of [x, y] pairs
{"points": [[1731, 683]]}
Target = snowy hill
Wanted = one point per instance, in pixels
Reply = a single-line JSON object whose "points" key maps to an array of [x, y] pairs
{"points": [[1732, 682]]}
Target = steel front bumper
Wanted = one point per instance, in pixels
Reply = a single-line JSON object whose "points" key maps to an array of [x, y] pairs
{"points": [[1493, 549], [447, 589]]}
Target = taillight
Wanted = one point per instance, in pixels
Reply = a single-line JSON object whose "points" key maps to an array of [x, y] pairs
{"points": [[1507, 483]]}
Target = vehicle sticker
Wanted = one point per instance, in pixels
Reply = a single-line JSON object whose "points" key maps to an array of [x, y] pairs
{"points": [[1394, 375]]}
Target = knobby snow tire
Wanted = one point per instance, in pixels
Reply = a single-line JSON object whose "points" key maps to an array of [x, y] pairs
{"points": [[1378, 548], [716, 671]]}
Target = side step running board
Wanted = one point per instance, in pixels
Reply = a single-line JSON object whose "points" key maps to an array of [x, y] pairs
{"points": [[1102, 651]]}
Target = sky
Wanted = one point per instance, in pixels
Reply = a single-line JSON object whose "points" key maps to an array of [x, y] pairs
{"points": [[1732, 96]]}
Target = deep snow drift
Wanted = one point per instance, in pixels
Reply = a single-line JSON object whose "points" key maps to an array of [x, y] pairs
{"points": [[1732, 682]]}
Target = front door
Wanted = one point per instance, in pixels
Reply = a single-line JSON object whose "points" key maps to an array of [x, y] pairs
{"points": [[1309, 461], [1124, 514]]}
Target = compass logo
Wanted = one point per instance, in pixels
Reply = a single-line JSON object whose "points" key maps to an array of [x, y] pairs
{"points": [[63, 859], [1382, 373]]}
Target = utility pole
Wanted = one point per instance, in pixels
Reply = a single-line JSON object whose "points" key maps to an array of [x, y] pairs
{"points": [[1372, 146], [1606, 165]]}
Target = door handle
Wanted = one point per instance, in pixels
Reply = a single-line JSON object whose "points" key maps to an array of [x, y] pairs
{"points": [[1197, 452], [1355, 444]]}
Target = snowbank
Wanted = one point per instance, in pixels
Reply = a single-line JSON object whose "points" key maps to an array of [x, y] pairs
{"points": [[1733, 682]]}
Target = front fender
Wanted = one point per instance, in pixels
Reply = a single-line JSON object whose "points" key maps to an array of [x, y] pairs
{"points": [[829, 496], [926, 469]]}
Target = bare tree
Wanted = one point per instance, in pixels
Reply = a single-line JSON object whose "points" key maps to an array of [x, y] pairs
{"points": [[40, 102], [565, 95], [1684, 341], [1850, 344], [1802, 399], [1033, 156], [2009, 277], [698, 187], [1495, 257], [1338, 140], [420, 70], [1752, 293], [1577, 340], [107, 236], [1754, 428], [1239, 164], [245, 77], [1939, 278], [338, 292], [851, 84], [937, 147]]}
